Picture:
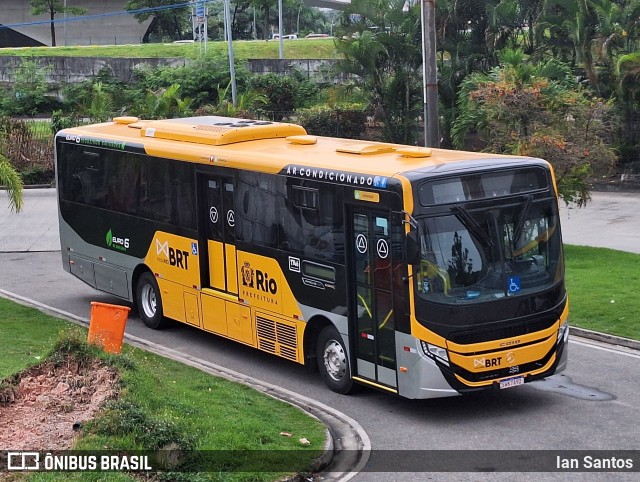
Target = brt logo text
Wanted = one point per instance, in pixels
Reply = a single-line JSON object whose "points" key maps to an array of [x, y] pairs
{"points": [[171, 256], [487, 362]]}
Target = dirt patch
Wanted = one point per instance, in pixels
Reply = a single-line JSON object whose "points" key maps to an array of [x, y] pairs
{"points": [[49, 405]]}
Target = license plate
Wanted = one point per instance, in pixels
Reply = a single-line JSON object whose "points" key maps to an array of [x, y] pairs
{"points": [[511, 382]]}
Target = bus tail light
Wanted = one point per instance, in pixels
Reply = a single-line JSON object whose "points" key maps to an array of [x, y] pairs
{"points": [[435, 352]]}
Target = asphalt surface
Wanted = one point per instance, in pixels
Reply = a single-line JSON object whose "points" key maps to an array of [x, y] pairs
{"points": [[593, 405]]}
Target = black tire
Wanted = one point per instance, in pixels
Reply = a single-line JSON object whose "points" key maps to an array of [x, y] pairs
{"points": [[149, 302], [333, 361]]}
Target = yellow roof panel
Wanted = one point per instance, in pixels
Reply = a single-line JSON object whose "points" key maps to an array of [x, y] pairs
{"points": [[262, 145]]}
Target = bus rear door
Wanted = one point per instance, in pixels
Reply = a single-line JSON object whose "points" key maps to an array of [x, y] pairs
{"points": [[222, 312]]}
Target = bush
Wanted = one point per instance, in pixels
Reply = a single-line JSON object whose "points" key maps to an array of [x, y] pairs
{"points": [[347, 121], [280, 92], [199, 81], [28, 93]]}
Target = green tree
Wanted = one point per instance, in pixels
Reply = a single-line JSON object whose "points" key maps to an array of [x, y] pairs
{"points": [[169, 22], [54, 7], [265, 6], [539, 110], [381, 48], [27, 94], [11, 180], [628, 88]]}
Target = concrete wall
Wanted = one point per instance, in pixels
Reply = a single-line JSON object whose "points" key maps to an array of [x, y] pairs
{"points": [[78, 69], [110, 30], [312, 68]]}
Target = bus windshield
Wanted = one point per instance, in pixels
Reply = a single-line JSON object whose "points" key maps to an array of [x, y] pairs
{"points": [[475, 253]]}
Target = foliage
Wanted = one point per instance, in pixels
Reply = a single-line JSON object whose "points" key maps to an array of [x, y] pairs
{"points": [[173, 23], [27, 94], [78, 97], [11, 180], [538, 110], [60, 121], [122, 418], [247, 104], [339, 121], [166, 24], [163, 104], [198, 81], [100, 109], [627, 73], [381, 48], [283, 93]]}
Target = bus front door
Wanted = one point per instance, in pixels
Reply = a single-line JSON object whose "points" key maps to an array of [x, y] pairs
{"points": [[372, 297]]}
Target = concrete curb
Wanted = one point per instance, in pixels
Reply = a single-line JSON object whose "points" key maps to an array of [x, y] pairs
{"points": [[347, 447], [604, 337]]}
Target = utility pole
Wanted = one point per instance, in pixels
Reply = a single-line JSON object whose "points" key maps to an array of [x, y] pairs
{"points": [[229, 38], [64, 29], [281, 30], [429, 73]]}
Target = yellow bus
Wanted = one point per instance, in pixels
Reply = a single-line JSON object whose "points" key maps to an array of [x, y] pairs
{"points": [[421, 272]]}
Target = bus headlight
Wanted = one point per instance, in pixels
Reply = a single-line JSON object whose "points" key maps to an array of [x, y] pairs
{"points": [[563, 332], [435, 352]]}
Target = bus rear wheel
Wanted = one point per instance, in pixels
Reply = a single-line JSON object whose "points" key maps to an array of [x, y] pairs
{"points": [[333, 361], [149, 301]]}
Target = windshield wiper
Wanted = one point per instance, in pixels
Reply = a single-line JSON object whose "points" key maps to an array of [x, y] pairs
{"points": [[522, 219], [474, 228]]}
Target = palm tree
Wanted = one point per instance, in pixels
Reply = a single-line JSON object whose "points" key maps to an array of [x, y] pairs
{"points": [[628, 74], [381, 48], [12, 181]]}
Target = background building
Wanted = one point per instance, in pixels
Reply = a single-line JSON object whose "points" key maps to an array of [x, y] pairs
{"points": [[103, 25], [96, 30]]}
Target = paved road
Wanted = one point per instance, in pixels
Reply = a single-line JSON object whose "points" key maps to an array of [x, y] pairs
{"points": [[593, 405], [33, 229], [610, 220]]}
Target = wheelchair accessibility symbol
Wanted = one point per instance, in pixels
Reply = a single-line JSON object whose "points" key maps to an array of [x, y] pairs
{"points": [[514, 284]]}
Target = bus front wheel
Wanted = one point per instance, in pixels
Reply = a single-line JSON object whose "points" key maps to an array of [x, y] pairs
{"points": [[333, 361], [149, 301]]}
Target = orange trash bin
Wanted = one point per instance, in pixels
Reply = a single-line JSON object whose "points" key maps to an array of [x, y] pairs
{"points": [[106, 328]]}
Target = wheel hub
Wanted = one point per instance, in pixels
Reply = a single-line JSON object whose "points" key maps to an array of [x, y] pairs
{"points": [[149, 301], [335, 360]]}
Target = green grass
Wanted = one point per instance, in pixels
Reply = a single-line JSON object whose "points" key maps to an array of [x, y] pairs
{"points": [[25, 339], [163, 403], [243, 49], [604, 290], [40, 128]]}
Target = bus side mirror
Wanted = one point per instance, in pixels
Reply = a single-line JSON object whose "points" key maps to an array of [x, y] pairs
{"points": [[412, 248]]}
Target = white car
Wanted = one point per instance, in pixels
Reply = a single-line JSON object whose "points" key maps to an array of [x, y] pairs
{"points": [[292, 36]]}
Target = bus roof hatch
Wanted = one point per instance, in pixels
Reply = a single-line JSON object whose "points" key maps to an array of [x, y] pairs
{"points": [[218, 131]]}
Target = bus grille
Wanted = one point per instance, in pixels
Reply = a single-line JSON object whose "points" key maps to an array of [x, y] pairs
{"points": [[277, 337], [489, 334]]}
